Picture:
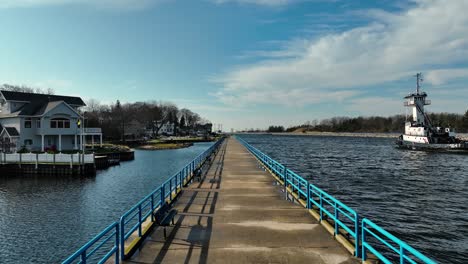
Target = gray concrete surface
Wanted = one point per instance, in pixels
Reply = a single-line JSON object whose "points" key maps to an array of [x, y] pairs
{"points": [[237, 214]]}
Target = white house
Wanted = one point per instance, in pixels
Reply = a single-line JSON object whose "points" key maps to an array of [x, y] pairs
{"points": [[41, 121], [167, 129]]}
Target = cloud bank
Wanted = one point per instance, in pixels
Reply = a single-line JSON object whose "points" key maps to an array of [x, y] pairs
{"points": [[431, 37]]}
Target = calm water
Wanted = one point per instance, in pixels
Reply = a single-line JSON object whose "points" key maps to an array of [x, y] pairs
{"points": [[44, 220], [420, 197]]}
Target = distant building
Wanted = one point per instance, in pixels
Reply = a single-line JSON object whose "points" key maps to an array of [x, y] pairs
{"points": [[167, 129], [203, 129], [41, 122]]}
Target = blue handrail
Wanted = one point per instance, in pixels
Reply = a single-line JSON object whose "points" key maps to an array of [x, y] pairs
{"points": [[85, 252], [343, 216], [406, 253], [139, 214]]}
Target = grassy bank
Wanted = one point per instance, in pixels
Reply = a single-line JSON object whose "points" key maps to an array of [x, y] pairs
{"points": [[162, 146]]}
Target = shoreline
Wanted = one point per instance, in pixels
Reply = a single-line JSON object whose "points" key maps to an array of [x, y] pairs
{"points": [[461, 136], [164, 146], [342, 134]]}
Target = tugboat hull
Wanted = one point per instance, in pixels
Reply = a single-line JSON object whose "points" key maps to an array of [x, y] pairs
{"points": [[456, 147]]}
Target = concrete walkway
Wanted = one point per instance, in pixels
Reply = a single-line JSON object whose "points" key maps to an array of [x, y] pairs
{"points": [[236, 214]]}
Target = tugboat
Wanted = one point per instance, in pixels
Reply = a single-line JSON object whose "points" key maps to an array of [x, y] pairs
{"points": [[420, 134]]}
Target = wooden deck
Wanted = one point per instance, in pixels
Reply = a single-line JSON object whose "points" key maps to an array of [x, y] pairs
{"points": [[237, 214]]}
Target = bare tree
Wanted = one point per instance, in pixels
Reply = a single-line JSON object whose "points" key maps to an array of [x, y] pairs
{"points": [[26, 89]]}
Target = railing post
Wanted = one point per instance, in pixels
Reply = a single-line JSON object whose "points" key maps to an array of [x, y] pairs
{"points": [[321, 206], [356, 231], [139, 220], [308, 196], [285, 181], [170, 190], [181, 179], [122, 238], [363, 241], [152, 207], [83, 257], [402, 255], [336, 219], [298, 189], [117, 236], [162, 194]]}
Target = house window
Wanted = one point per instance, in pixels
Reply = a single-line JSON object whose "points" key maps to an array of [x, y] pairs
{"points": [[59, 123], [28, 142], [38, 123], [27, 123]]}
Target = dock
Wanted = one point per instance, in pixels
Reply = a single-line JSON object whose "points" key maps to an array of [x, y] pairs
{"points": [[238, 213]]}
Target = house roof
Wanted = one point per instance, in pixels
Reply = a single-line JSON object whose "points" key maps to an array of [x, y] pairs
{"points": [[34, 97], [38, 104], [12, 132]]}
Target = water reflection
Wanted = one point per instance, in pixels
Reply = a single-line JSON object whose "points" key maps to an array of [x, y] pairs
{"points": [[45, 219]]}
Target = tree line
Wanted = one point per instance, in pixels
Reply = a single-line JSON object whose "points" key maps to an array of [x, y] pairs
{"points": [[378, 124], [120, 119]]}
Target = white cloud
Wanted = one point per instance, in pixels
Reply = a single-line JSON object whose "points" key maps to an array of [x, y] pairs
{"points": [[375, 106], [442, 76], [336, 66], [105, 4]]}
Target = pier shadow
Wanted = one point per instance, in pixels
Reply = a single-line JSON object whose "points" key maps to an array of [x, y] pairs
{"points": [[215, 181]]}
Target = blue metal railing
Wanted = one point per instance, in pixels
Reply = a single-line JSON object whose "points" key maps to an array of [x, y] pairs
{"points": [[99, 242], [344, 218], [132, 222], [406, 253]]}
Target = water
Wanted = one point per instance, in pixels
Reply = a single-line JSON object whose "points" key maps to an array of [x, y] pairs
{"points": [[420, 197], [46, 219]]}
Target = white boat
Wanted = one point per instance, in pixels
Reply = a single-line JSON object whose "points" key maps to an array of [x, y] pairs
{"points": [[420, 134]]}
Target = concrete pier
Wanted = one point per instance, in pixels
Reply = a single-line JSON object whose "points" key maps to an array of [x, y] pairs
{"points": [[237, 214]]}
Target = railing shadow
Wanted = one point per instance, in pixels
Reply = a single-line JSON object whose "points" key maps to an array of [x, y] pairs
{"points": [[199, 236]]}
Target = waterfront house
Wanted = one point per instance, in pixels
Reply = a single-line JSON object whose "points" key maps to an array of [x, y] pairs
{"points": [[166, 129], [42, 122]]}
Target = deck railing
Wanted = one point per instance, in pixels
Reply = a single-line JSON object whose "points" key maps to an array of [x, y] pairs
{"points": [[406, 253], [345, 221], [86, 253], [140, 216], [137, 221], [46, 158]]}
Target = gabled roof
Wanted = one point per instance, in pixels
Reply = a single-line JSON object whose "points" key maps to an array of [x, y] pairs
{"points": [[34, 97], [38, 104], [12, 132]]}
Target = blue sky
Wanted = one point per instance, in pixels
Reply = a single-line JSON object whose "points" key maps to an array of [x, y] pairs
{"points": [[242, 63]]}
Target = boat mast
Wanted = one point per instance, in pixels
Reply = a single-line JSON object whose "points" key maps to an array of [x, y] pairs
{"points": [[419, 79]]}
